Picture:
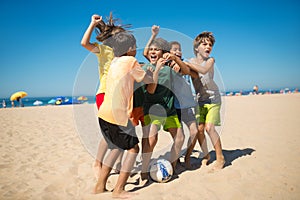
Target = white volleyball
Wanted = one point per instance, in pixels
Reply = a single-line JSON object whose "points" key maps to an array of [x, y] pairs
{"points": [[161, 171]]}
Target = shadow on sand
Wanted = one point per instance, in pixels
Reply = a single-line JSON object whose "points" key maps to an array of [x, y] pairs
{"points": [[230, 156]]}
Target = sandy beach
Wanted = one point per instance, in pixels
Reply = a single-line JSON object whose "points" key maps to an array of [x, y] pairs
{"points": [[47, 153]]}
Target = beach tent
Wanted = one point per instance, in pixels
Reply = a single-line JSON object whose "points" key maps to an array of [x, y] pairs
{"points": [[37, 103], [52, 101], [61, 100]]}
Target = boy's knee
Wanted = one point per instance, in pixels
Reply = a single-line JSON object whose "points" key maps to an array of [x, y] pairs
{"points": [[180, 138], [201, 128], [209, 128]]}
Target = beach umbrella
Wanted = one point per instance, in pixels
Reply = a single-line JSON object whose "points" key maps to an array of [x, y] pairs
{"points": [[37, 103], [16, 95], [82, 98], [52, 101]]}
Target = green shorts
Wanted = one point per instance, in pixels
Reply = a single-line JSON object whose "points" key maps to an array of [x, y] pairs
{"points": [[166, 122], [209, 113]]}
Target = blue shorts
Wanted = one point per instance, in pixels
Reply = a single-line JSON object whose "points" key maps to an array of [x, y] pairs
{"points": [[186, 115]]}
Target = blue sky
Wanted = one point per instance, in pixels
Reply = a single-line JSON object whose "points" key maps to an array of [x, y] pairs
{"points": [[257, 42]]}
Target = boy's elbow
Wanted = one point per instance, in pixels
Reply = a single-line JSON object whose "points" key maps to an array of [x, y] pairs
{"points": [[83, 43]]}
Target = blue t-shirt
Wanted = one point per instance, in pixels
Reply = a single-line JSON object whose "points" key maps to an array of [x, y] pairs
{"points": [[184, 97]]}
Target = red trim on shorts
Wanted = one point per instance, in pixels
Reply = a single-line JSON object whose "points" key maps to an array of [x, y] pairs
{"points": [[99, 99]]}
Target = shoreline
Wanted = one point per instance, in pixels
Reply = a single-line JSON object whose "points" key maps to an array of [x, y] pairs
{"points": [[28, 101]]}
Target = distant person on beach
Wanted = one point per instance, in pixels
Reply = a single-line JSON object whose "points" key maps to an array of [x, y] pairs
{"points": [[159, 107], [209, 98], [19, 100], [3, 103], [116, 110], [255, 89], [105, 55]]}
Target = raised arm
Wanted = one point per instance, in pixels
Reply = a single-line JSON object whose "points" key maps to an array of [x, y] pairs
{"points": [[85, 41], [155, 30], [196, 65]]}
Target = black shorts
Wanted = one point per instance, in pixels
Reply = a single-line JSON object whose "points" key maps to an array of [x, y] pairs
{"points": [[118, 136]]}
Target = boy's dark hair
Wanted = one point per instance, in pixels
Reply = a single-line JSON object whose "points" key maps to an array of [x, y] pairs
{"points": [[202, 37], [108, 29], [174, 42], [162, 44], [122, 42]]}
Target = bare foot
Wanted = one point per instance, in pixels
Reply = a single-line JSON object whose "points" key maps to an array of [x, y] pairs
{"points": [[122, 194], [99, 188], [144, 179], [97, 169], [175, 166], [217, 165], [205, 160]]}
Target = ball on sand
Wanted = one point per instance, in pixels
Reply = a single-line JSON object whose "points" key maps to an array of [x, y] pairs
{"points": [[161, 171]]}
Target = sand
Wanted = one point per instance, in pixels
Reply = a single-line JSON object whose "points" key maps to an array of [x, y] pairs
{"points": [[47, 153]]}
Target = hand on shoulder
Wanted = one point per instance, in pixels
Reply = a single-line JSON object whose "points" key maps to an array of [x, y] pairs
{"points": [[212, 59]]}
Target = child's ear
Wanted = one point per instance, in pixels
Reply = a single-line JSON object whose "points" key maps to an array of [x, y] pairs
{"points": [[131, 51]]}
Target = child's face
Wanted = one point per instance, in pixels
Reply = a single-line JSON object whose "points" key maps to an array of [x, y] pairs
{"points": [[204, 49], [176, 50], [154, 53]]}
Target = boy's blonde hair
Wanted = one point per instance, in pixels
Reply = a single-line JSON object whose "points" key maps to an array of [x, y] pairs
{"points": [[201, 38]]}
